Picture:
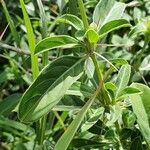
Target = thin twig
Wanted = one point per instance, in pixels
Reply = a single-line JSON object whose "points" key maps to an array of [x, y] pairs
{"points": [[113, 45], [15, 49], [60, 120], [102, 57], [1, 36], [143, 78], [20, 51]]}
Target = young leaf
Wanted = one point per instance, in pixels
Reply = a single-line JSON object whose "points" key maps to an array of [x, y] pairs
{"points": [[9, 103], [138, 29], [129, 90], [141, 108], [142, 28], [119, 61], [110, 86], [50, 86], [60, 41], [113, 25], [123, 78], [92, 36], [107, 10], [115, 114], [31, 40], [71, 20]]}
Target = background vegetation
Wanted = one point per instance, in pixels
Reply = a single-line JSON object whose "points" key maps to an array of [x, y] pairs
{"points": [[94, 91]]}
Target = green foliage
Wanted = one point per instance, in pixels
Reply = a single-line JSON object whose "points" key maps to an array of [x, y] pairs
{"points": [[71, 20], [113, 25], [106, 11], [77, 76], [123, 78], [61, 41], [140, 104], [31, 40], [43, 94], [9, 104], [71, 130]]}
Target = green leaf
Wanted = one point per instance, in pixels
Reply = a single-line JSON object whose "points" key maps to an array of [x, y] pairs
{"points": [[113, 25], [128, 118], [11, 24], [60, 41], [137, 144], [115, 112], [88, 144], [80, 89], [80, 35], [110, 86], [71, 20], [9, 103], [89, 68], [13, 124], [66, 138], [31, 40], [119, 61], [129, 90], [50, 86], [92, 36], [142, 28], [93, 117], [3, 77], [139, 28], [141, 108], [123, 78], [107, 10]]}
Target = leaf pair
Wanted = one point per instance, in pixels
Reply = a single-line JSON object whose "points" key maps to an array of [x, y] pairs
{"points": [[107, 16]]}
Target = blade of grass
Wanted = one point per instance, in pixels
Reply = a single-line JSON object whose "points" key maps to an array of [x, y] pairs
{"points": [[11, 24], [68, 135], [31, 41]]}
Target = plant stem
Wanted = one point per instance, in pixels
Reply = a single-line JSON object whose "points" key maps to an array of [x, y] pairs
{"points": [[99, 74], [90, 49], [83, 14], [42, 129]]}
